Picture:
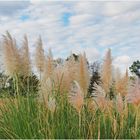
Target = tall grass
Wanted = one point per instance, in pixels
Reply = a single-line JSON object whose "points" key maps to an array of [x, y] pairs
{"points": [[60, 107], [27, 118]]}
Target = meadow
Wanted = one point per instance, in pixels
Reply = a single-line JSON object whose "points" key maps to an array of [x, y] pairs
{"points": [[50, 98]]}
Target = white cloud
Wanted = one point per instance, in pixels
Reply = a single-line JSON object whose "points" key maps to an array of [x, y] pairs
{"points": [[11, 8], [122, 59], [107, 41], [122, 62], [92, 27], [36, 1], [79, 19], [116, 8], [92, 54]]}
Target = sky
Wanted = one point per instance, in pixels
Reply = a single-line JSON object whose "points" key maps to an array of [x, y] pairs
{"points": [[77, 26]]}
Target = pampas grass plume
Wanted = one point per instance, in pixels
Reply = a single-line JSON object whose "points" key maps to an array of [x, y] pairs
{"points": [[76, 98]]}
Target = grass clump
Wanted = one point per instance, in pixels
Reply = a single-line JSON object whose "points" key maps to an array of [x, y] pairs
{"points": [[65, 100]]}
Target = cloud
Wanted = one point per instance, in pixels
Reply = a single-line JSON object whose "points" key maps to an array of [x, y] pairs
{"points": [[118, 8], [77, 26], [122, 59], [80, 19], [91, 53], [108, 41], [122, 62], [9, 8]]}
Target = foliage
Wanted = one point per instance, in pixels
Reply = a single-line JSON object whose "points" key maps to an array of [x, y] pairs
{"points": [[25, 84], [95, 78], [75, 56], [135, 68]]}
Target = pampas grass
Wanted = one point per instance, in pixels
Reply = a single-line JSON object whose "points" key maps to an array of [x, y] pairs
{"points": [[25, 56], [61, 109], [107, 71], [45, 89], [76, 99], [48, 65], [11, 55], [52, 104], [76, 96], [83, 74], [100, 97], [39, 56], [122, 84], [119, 103], [133, 95]]}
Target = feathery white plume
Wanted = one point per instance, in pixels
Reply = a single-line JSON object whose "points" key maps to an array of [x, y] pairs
{"points": [[76, 96]]}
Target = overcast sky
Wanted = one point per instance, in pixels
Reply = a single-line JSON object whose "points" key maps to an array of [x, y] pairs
{"points": [[74, 26]]}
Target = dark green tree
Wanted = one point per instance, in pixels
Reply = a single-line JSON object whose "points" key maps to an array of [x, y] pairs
{"points": [[75, 56], [27, 86], [135, 68], [95, 78]]}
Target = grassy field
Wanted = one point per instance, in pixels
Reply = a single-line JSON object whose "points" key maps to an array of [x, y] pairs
{"points": [[65, 100]]}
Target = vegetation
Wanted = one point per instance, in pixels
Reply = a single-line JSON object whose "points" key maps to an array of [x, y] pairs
{"points": [[65, 99], [95, 78], [135, 68]]}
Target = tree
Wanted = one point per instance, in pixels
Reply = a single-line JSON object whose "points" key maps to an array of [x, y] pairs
{"points": [[135, 68], [95, 78], [23, 86], [73, 55]]}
